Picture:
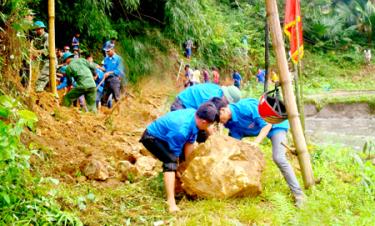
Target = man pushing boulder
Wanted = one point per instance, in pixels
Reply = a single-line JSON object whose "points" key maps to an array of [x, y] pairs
{"points": [[172, 136]]}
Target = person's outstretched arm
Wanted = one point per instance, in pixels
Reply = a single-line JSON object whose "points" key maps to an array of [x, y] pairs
{"points": [[263, 133]]}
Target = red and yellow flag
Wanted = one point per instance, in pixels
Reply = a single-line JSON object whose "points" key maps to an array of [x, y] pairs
{"points": [[292, 24]]}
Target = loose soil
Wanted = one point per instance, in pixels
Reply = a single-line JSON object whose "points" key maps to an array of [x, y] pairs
{"points": [[66, 137]]}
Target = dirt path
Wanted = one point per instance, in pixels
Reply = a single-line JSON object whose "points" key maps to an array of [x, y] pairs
{"points": [[66, 138]]}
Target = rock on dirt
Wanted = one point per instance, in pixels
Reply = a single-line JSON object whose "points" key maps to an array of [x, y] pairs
{"points": [[223, 167], [95, 169], [143, 166]]}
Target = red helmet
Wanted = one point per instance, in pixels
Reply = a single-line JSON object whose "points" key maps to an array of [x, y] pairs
{"points": [[271, 108]]}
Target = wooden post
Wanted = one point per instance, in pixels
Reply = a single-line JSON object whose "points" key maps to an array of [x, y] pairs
{"points": [[266, 55], [289, 98], [300, 104], [51, 45]]}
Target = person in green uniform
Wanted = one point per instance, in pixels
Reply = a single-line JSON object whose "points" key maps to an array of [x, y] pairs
{"points": [[41, 52], [83, 73]]}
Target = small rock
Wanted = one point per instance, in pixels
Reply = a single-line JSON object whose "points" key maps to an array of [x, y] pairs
{"points": [[146, 166], [96, 170], [81, 179], [126, 169]]}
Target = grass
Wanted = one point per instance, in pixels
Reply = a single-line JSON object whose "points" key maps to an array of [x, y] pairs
{"points": [[320, 102], [336, 71], [345, 196]]}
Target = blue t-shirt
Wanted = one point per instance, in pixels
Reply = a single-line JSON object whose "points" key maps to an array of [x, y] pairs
{"points": [[100, 77], [246, 121], [176, 128], [114, 64], [194, 96], [261, 76], [237, 77]]}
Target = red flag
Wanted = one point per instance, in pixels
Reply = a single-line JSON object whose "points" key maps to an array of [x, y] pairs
{"points": [[293, 17]]}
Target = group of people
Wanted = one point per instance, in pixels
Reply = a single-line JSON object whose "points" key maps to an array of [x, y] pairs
{"points": [[82, 79], [196, 76], [170, 138]]}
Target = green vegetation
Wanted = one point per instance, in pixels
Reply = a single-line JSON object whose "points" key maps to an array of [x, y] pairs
{"points": [[23, 198], [322, 101], [228, 34]]}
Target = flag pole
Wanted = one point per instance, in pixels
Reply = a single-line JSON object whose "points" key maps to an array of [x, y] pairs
{"points": [[289, 98], [266, 54], [299, 77]]}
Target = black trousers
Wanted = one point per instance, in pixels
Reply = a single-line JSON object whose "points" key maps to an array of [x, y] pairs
{"points": [[160, 149], [112, 86]]}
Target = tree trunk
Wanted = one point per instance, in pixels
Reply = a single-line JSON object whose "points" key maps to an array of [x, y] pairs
{"points": [[51, 44], [289, 98]]}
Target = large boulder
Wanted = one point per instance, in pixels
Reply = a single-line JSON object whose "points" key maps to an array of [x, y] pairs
{"points": [[223, 167]]}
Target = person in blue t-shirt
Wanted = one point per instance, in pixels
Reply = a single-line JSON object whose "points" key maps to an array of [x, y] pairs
{"points": [[194, 96], [237, 79], [114, 73], [243, 120], [172, 136], [261, 76]]}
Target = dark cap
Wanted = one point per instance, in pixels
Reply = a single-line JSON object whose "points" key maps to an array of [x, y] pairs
{"points": [[208, 112]]}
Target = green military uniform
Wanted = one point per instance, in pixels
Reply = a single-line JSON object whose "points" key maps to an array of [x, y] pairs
{"points": [[82, 72], [41, 43]]}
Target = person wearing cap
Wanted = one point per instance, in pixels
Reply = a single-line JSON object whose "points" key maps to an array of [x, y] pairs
{"points": [[171, 136], [113, 73], [194, 96], [76, 52], [41, 51], [243, 120], [81, 71], [111, 41]]}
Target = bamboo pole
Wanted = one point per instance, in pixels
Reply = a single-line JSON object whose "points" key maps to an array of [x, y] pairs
{"points": [[30, 67], [299, 90], [51, 45], [301, 102], [289, 98], [266, 55]]}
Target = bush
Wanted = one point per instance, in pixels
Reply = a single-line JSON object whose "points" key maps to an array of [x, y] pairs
{"points": [[21, 196]]}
